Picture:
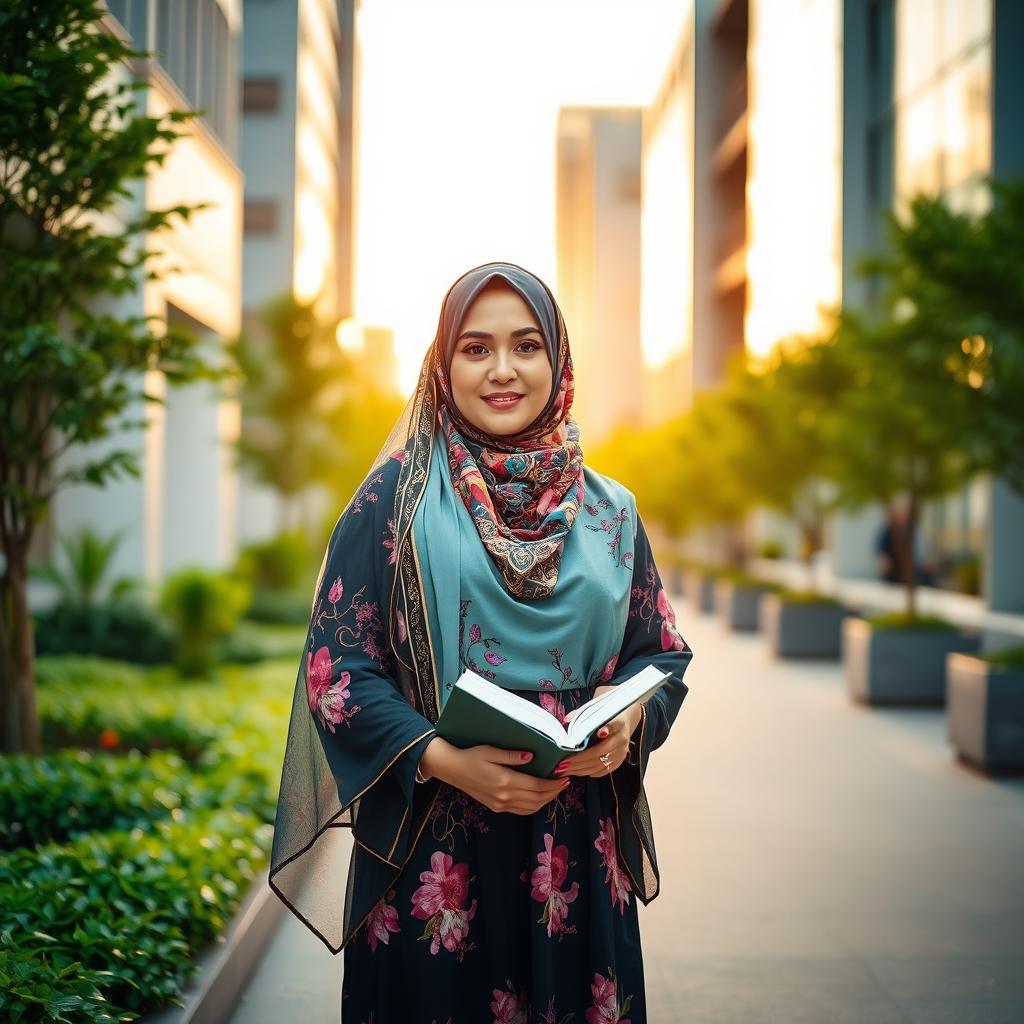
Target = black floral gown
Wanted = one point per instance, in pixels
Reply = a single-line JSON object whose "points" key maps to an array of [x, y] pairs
{"points": [[497, 917], [522, 919]]}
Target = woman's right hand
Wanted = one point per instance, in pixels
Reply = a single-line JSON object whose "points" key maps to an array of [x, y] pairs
{"points": [[486, 773]]}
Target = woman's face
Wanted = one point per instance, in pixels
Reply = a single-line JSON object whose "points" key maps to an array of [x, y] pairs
{"points": [[500, 349]]}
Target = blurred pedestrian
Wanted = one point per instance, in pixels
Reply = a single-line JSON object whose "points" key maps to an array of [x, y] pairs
{"points": [[892, 547], [479, 539]]}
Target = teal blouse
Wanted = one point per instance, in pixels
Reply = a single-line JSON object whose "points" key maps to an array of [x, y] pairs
{"points": [[564, 641]]}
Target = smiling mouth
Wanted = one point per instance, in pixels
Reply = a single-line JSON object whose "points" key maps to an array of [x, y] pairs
{"points": [[502, 403]]}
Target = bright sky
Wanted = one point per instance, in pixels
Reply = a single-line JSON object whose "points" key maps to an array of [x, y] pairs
{"points": [[458, 114]]}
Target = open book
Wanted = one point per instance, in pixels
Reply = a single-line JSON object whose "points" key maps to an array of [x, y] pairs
{"points": [[479, 711]]}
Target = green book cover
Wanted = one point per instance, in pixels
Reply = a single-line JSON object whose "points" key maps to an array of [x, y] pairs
{"points": [[479, 711]]}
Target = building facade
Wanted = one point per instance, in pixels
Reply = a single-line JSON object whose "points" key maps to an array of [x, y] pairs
{"points": [[598, 278], [182, 509], [298, 143], [781, 135]]}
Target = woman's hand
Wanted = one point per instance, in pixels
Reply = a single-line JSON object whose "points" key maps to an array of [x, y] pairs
{"points": [[613, 746], [485, 773]]}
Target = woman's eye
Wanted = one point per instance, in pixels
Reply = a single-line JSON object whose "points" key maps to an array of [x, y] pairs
{"points": [[470, 350]]}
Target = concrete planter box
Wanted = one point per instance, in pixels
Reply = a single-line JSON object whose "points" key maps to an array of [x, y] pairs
{"points": [[802, 629], [698, 587], [985, 712], [899, 666], [739, 605]]}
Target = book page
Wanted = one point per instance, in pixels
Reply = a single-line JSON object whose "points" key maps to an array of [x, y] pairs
{"points": [[602, 709]]}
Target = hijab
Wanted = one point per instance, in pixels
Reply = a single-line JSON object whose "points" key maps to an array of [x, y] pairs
{"points": [[522, 491]]}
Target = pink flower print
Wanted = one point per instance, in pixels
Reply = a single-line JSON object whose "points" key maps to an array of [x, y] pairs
{"points": [[546, 500], [493, 658], [389, 543], [550, 703], [670, 638], [609, 669], [614, 875], [401, 626], [336, 591], [382, 921], [547, 881], [439, 902], [508, 1006], [474, 633], [606, 1009], [327, 701]]}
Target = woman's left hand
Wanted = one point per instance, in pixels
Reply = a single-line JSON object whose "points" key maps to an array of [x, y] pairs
{"points": [[614, 747]]}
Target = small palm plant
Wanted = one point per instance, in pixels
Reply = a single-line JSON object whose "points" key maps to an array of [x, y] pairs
{"points": [[81, 581]]}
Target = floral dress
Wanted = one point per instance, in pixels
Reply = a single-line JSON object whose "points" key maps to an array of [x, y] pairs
{"points": [[498, 916], [453, 913], [519, 919]]}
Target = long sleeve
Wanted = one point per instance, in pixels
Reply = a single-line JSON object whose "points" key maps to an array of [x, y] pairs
{"points": [[373, 738], [651, 638]]}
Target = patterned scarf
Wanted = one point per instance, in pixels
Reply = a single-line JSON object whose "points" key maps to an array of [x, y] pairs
{"points": [[523, 491]]}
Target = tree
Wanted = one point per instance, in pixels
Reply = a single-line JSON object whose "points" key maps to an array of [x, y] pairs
{"points": [[72, 140], [296, 379], [939, 370]]}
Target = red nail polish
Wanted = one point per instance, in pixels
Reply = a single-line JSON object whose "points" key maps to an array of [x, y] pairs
{"points": [[602, 733]]}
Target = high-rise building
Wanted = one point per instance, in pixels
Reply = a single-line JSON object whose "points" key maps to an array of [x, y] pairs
{"points": [[299, 98], [598, 240], [183, 507], [782, 134]]}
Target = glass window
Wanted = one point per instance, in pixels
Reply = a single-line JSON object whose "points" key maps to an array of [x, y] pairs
{"points": [[916, 34], [965, 119], [917, 147]]}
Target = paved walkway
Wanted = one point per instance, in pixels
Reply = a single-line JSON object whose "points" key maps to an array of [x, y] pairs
{"points": [[820, 862]]}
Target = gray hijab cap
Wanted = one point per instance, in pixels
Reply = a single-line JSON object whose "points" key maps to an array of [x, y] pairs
{"points": [[533, 291]]}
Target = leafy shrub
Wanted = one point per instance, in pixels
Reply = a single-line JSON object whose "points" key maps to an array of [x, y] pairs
{"points": [[279, 564], [130, 632], [71, 792], [204, 607], [1008, 657], [285, 608], [807, 597], [901, 620], [770, 549], [109, 926], [252, 642]]}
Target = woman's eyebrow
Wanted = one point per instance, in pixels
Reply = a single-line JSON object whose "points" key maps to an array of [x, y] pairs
{"points": [[483, 334]]}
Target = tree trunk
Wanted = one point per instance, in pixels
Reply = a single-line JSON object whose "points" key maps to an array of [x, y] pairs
{"points": [[17, 659], [909, 568]]}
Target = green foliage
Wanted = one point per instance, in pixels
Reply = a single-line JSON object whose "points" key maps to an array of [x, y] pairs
{"points": [[770, 549], [956, 278], [88, 559], [73, 138], [295, 379], [1008, 657], [74, 233], [130, 632], [129, 911], [152, 852], [806, 597], [278, 564], [204, 606], [283, 608], [903, 620]]}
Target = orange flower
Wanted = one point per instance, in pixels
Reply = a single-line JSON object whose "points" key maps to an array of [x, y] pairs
{"points": [[109, 739]]}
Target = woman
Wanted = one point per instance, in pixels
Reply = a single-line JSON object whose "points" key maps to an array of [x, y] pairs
{"points": [[479, 538]]}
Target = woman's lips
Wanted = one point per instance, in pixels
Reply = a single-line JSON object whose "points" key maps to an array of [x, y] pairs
{"points": [[503, 403]]}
